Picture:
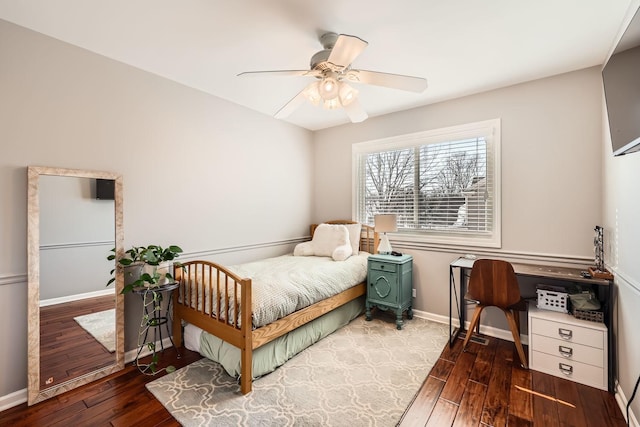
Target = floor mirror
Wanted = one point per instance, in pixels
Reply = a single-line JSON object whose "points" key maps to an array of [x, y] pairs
{"points": [[75, 321]]}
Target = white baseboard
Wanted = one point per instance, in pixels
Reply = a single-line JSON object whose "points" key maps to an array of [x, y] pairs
{"points": [[486, 330], [130, 355], [622, 403], [13, 399]]}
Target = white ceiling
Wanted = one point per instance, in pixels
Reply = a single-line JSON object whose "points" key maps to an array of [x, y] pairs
{"points": [[462, 47]]}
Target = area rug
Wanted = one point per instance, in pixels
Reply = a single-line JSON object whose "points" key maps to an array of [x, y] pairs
{"points": [[101, 325], [364, 374]]}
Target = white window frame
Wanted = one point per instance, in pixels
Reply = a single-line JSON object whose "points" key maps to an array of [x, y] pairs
{"points": [[491, 130]]}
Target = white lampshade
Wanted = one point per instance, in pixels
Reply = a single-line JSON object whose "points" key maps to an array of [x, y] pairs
{"points": [[385, 223]]}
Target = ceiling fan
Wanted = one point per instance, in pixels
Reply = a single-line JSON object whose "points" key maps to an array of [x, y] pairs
{"points": [[331, 67]]}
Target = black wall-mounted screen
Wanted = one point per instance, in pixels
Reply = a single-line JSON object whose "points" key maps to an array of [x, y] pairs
{"points": [[621, 77], [105, 189]]}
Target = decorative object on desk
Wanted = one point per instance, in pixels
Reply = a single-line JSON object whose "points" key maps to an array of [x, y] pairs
{"points": [[148, 272], [385, 223], [552, 298], [599, 271]]}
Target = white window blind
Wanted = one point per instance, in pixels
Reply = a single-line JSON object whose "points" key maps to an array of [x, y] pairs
{"points": [[443, 185]]}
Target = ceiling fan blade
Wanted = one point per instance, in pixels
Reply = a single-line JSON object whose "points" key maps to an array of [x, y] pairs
{"points": [[355, 111], [346, 49], [394, 81], [281, 73], [295, 103]]}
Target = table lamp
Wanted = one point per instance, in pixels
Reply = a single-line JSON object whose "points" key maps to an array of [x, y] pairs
{"points": [[385, 223]]}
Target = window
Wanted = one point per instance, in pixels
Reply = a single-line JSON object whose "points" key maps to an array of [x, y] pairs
{"points": [[443, 184]]}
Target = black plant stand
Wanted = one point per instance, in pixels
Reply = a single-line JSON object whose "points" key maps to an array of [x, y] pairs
{"points": [[154, 319]]}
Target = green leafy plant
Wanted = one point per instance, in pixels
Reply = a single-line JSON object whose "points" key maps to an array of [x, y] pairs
{"points": [[150, 282], [152, 255]]}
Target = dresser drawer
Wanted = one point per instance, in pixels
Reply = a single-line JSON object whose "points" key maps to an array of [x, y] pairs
{"points": [[383, 266], [569, 332], [568, 351], [575, 371]]}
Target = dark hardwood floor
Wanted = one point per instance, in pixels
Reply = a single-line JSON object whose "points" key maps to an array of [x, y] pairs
{"points": [[474, 388], [120, 399], [479, 387]]}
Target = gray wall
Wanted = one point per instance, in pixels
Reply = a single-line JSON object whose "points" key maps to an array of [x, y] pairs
{"points": [[223, 182], [559, 180]]}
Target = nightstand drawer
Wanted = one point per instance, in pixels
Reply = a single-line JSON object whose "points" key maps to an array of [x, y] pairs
{"points": [[575, 371], [569, 332], [568, 351], [383, 266]]}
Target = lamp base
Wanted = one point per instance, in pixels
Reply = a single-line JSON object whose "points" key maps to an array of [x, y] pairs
{"points": [[384, 248]]}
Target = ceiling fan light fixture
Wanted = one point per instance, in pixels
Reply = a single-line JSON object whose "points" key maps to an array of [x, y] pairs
{"points": [[312, 93], [347, 94], [331, 104], [329, 88]]}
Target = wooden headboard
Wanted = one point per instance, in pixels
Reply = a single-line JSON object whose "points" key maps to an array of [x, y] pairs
{"points": [[369, 239]]}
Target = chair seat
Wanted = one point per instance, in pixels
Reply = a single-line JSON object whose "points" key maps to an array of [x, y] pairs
{"points": [[519, 306]]}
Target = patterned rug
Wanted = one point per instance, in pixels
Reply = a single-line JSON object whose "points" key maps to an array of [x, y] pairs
{"points": [[364, 374], [102, 326]]}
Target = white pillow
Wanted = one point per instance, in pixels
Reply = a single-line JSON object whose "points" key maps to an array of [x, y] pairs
{"points": [[354, 237], [328, 240]]}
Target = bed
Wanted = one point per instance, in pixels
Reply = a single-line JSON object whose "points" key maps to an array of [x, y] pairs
{"points": [[212, 298]]}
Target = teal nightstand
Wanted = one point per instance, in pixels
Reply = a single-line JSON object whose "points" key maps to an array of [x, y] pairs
{"points": [[389, 285]]}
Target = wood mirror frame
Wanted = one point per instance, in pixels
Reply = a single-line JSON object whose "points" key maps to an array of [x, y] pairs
{"points": [[36, 392]]}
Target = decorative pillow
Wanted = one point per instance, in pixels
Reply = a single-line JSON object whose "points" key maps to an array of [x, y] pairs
{"points": [[303, 249], [354, 237], [342, 252], [328, 240]]}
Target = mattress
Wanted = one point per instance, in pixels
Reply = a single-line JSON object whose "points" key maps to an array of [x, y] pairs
{"points": [[275, 353], [285, 284]]}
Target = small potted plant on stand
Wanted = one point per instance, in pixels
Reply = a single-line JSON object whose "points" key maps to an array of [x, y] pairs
{"points": [[149, 273]]}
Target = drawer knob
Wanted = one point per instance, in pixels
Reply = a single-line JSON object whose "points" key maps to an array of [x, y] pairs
{"points": [[565, 334], [565, 351], [565, 369]]}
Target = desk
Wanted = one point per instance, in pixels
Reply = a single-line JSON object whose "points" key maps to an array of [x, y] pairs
{"points": [[563, 275]]}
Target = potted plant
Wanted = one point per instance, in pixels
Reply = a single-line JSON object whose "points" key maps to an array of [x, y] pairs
{"points": [[143, 267], [144, 261]]}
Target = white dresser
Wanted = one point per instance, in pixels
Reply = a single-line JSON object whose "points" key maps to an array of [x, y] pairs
{"points": [[566, 347]]}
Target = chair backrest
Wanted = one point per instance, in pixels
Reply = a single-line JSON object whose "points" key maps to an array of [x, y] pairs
{"points": [[493, 282]]}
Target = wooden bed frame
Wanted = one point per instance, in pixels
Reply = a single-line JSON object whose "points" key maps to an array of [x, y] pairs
{"points": [[238, 331]]}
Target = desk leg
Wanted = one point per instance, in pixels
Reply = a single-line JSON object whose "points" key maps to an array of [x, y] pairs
{"points": [[462, 312], [451, 285], [611, 347]]}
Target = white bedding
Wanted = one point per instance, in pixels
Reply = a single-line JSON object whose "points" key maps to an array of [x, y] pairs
{"points": [[285, 284]]}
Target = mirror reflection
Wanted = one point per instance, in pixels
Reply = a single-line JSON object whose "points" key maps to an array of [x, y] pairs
{"points": [[77, 312], [75, 322]]}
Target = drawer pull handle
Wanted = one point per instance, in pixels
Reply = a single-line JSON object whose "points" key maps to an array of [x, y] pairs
{"points": [[565, 351], [565, 369], [565, 334]]}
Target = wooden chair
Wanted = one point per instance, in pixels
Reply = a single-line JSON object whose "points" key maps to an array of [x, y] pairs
{"points": [[494, 283]]}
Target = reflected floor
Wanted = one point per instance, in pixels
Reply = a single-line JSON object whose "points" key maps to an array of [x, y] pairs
{"points": [[66, 350]]}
